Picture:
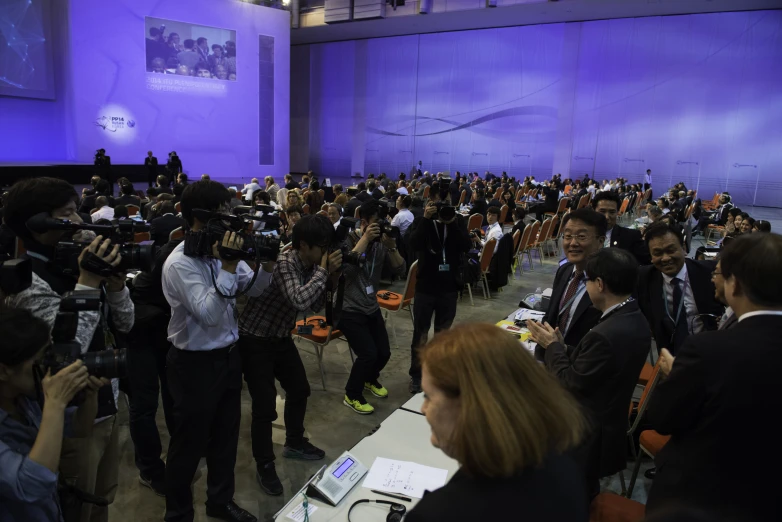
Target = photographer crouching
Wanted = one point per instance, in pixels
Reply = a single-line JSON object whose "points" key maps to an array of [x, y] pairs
{"points": [[361, 321], [42, 213], [202, 277], [268, 351], [31, 435]]}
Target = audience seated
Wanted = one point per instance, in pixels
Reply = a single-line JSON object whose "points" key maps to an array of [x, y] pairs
{"points": [[104, 211], [722, 453], [608, 204], [166, 222], [518, 217], [127, 195], [501, 458]]}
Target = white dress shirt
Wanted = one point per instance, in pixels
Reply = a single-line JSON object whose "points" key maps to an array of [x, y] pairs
{"points": [[336, 225], [607, 242], [402, 190], [694, 323], [201, 320], [104, 212], [403, 219], [249, 190], [592, 189], [494, 232]]}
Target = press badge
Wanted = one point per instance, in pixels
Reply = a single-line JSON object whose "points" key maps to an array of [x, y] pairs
{"points": [[445, 267], [304, 329], [370, 290]]}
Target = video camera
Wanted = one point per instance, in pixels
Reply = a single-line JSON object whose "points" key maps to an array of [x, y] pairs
{"points": [[65, 349], [16, 275], [258, 248], [270, 216], [66, 254]]}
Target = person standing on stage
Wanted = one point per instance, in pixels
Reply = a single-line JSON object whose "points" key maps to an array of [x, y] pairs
{"points": [[103, 164], [151, 163], [174, 165], [203, 367]]}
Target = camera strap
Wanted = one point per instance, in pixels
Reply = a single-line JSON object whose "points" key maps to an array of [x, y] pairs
{"points": [[334, 310], [445, 236]]}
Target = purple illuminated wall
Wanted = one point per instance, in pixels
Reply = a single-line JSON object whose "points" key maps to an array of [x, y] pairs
{"points": [[105, 98], [695, 98]]}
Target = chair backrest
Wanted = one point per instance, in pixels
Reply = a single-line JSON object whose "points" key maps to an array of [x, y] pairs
{"points": [[19, 249], [487, 253], [323, 213], [475, 221], [176, 234], [563, 203], [356, 214], [583, 201], [138, 237], [623, 208], [524, 243], [178, 207], [533, 234], [412, 277], [648, 389], [132, 210], [462, 196], [426, 191], [503, 213], [93, 211], [322, 193], [325, 207], [516, 241], [545, 230], [554, 224], [305, 209], [568, 188], [648, 194]]}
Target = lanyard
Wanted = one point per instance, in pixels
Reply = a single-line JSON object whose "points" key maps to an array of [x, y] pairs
{"points": [[681, 303], [38, 256], [579, 292], [445, 236]]}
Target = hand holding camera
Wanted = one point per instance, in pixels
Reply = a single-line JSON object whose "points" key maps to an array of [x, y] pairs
{"points": [[101, 249], [371, 233], [231, 242], [60, 389], [431, 211], [332, 262]]}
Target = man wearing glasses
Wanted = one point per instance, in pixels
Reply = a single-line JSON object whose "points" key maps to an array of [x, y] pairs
{"points": [[571, 310]]}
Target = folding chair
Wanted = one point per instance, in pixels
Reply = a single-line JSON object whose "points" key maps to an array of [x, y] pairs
{"points": [[177, 233], [398, 302], [545, 229], [138, 237], [132, 210], [516, 245], [475, 221], [527, 247], [563, 203], [319, 339], [486, 254], [305, 209]]}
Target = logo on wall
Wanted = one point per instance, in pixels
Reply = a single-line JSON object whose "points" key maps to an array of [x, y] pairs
{"points": [[114, 123], [118, 122]]}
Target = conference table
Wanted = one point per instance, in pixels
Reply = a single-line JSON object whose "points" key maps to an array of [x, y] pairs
{"points": [[404, 435]]}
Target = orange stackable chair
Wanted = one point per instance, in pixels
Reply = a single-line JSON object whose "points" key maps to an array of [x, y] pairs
{"points": [[319, 339], [399, 302], [563, 203], [527, 247], [486, 254], [516, 245], [177, 233], [325, 207], [356, 214], [523, 244], [323, 213], [583, 201], [503, 214], [178, 207], [545, 230], [132, 210], [462, 196], [426, 192], [610, 507], [567, 190], [138, 237], [475, 221], [623, 208]]}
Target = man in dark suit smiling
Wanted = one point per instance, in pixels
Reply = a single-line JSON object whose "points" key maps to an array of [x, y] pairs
{"points": [[608, 203]]}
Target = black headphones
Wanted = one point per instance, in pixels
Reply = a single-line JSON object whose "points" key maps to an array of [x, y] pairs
{"points": [[395, 512]]}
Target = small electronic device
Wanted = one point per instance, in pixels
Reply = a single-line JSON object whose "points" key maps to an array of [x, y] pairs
{"points": [[339, 478]]}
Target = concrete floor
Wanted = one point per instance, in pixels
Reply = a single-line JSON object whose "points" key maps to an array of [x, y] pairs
{"points": [[332, 426]]}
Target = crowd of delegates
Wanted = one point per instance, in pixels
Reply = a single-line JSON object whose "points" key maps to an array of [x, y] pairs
{"points": [[617, 291], [191, 57]]}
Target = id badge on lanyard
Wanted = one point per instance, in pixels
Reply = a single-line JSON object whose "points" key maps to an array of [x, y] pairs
{"points": [[444, 266]]}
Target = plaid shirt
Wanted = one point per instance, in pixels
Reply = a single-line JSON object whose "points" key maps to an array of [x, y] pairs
{"points": [[294, 288]]}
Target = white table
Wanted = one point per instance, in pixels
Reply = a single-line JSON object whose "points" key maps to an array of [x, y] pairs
{"points": [[402, 436], [415, 403]]}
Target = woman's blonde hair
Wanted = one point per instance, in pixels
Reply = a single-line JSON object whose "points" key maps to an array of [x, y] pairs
{"points": [[512, 414], [282, 197]]}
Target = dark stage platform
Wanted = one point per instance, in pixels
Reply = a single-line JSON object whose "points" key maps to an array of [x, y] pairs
{"points": [[74, 173]]}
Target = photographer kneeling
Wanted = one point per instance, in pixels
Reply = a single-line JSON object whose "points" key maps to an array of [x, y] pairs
{"points": [[361, 321], [90, 464], [31, 438]]}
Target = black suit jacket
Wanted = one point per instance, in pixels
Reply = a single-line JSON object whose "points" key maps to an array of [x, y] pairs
{"points": [[651, 299], [480, 207], [151, 163], [351, 206], [363, 196], [601, 372], [632, 241], [722, 454], [161, 227], [554, 492], [585, 316], [128, 200]]}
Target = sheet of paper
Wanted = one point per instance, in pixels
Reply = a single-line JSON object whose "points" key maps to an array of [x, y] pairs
{"points": [[524, 313], [405, 478], [298, 512]]}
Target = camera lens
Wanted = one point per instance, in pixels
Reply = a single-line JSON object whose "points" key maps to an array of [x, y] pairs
{"points": [[111, 364], [138, 257]]}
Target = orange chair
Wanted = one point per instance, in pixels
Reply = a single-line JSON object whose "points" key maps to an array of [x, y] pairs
{"points": [[567, 190], [356, 214], [584, 200], [714, 203], [177, 233], [319, 338], [305, 209], [486, 254], [93, 211], [399, 302], [610, 507], [178, 207], [138, 237], [426, 192], [475, 221], [322, 193], [651, 440], [132, 210], [623, 208], [503, 213], [528, 246], [545, 230], [462, 196], [563, 203], [519, 257], [516, 245], [20, 249]]}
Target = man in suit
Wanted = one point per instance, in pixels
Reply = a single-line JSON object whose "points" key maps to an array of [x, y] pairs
{"points": [[150, 162], [550, 204], [571, 310], [607, 203], [722, 453], [373, 190], [719, 217], [602, 370], [363, 195], [675, 294], [127, 196], [728, 319], [161, 227], [479, 205], [162, 185]]}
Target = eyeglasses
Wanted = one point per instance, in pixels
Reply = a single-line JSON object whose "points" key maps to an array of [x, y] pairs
{"points": [[580, 237]]}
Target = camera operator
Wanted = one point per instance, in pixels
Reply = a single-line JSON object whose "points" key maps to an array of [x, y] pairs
{"points": [[361, 321], [103, 164], [268, 352], [442, 243], [31, 438], [203, 369], [90, 464]]}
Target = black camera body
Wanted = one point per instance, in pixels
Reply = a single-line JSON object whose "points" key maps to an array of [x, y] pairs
{"points": [[346, 224], [445, 211], [260, 248], [65, 350], [16, 275]]}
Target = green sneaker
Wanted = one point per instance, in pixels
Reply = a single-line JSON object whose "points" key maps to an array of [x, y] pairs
{"points": [[377, 389], [360, 406]]}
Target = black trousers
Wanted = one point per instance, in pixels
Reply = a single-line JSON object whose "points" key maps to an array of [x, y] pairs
{"points": [[368, 338], [263, 361], [147, 378], [443, 308], [206, 389]]}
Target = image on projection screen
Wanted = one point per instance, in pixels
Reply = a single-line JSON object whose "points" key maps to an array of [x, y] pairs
{"points": [[184, 49]]}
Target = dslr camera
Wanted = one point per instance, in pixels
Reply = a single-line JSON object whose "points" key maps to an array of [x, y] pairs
{"points": [[259, 248], [66, 253], [384, 224], [65, 349], [349, 257]]}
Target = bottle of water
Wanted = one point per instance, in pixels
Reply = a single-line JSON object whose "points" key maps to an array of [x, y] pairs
{"points": [[538, 298]]}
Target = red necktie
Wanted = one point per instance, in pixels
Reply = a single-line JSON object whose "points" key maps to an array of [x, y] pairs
{"points": [[567, 300]]}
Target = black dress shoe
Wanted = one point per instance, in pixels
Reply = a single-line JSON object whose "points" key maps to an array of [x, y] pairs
{"points": [[268, 479], [650, 473], [229, 512]]}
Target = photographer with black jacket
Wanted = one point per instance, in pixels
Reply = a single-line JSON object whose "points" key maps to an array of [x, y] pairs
{"points": [[204, 369], [361, 321], [90, 464], [442, 244]]}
